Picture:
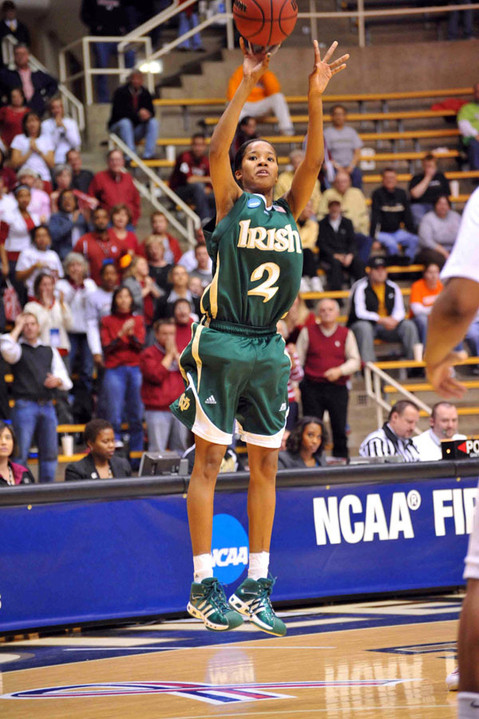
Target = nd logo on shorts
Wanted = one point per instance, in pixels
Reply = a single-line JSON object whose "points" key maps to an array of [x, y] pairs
{"points": [[229, 548]]}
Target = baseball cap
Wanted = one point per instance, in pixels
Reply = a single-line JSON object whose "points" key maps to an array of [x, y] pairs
{"points": [[377, 261]]}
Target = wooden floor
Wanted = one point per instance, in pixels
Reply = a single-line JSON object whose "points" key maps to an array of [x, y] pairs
{"points": [[373, 659]]}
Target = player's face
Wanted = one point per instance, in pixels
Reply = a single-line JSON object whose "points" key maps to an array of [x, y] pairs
{"points": [[404, 424], [444, 424], [103, 446], [312, 437], [259, 168]]}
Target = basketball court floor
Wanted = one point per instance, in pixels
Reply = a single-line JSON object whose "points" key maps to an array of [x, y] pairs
{"points": [[369, 659]]}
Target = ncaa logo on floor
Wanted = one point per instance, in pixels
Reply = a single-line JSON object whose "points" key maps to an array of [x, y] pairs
{"points": [[229, 548]]}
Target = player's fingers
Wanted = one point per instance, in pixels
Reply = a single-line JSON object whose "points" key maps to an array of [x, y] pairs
{"points": [[340, 61], [451, 388], [333, 47], [242, 46], [317, 52], [338, 69]]}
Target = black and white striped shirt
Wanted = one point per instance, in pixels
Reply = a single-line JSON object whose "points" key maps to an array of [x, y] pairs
{"points": [[384, 442]]}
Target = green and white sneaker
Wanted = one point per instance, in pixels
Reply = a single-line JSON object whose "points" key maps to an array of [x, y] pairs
{"points": [[252, 599], [208, 603]]}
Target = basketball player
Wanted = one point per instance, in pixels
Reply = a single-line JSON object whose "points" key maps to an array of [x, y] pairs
{"points": [[235, 366], [452, 313]]}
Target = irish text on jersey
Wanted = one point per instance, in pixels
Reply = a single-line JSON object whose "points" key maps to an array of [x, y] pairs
{"points": [[283, 239]]}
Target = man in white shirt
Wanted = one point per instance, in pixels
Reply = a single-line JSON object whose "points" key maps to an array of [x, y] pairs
{"points": [[444, 421], [62, 131]]}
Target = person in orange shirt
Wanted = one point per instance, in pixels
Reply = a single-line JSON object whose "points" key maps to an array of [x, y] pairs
{"points": [[266, 98], [424, 293]]}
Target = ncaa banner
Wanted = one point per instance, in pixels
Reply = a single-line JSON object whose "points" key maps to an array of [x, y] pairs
{"points": [[83, 561]]}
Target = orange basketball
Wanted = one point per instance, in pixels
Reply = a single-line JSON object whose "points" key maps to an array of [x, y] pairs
{"points": [[265, 22]]}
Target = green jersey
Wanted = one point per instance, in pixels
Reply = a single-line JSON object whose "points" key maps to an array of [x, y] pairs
{"points": [[257, 264]]}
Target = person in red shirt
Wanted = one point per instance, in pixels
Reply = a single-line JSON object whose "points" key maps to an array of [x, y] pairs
{"points": [[122, 337], [11, 116], [121, 218], [114, 186], [100, 244], [191, 180]]}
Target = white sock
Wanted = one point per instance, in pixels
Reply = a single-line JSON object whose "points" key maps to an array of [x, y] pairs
{"points": [[202, 567], [258, 565], [468, 705]]}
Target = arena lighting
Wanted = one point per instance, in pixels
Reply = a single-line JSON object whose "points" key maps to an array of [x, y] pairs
{"points": [[155, 67]]}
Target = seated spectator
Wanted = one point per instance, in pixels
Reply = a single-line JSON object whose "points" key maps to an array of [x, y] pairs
{"points": [[344, 145], [11, 474], [305, 445], [437, 232], [122, 337], [8, 176], [203, 269], [76, 289], [285, 180], [53, 315], [39, 205], [144, 290], [37, 86], [308, 232], [426, 187], [38, 372], [67, 225], [159, 226], [191, 180], [391, 220], [246, 130], [114, 186], [121, 218], [178, 281], [329, 355], [443, 426], [97, 306], [394, 438], [62, 131], [101, 461], [377, 310], [353, 207], [11, 26], [468, 121], [158, 267], [81, 179], [37, 258], [162, 384], [11, 116], [33, 150], [133, 115], [19, 223], [265, 99], [424, 293], [188, 259], [182, 314], [338, 253], [62, 180], [100, 244]]}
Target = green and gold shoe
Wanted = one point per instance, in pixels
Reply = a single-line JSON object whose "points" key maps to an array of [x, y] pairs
{"points": [[208, 603], [252, 600]]}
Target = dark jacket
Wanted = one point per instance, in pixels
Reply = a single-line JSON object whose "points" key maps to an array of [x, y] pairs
{"points": [[341, 242], [105, 18], [21, 475], [365, 300], [21, 34], [45, 86], [61, 227], [289, 460], [390, 211], [123, 105], [85, 469]]}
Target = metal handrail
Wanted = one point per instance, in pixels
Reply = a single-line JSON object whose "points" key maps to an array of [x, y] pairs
{"points": [[372, 382], [192, 219]]}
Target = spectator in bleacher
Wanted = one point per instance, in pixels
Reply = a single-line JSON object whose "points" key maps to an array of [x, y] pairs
{"points": [[344, 144], [10, 25], [353, 207], [203, 269], [338, 252], [265, 99], [114, 186], [81, 179], [162, 384], [285, 180], [106, 18], [377, 311], [101, 461], [67, 225], [37, 258], [424, 293], [158, 267], [121, 217], [62, 131], [33, 150], [133, 115], [392, 224], [97, 306], [159, 227], [426, 187], [394, 438], [468, 121], [100, 244], [188, 20], [329, 354], [144, 290], [443, 423], [11, 474], [246, 130], [122, 337], [308, 231], [38, 371], [305, 445], [178, 280], [40, 204], [467, 21], [11, 116], [188, 259], [37, 86], [19, 222], [62, 180], [184, 318], [53, 314], [191, 180], [437, 232]]}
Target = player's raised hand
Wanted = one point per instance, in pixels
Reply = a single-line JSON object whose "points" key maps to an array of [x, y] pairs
{"points": [[255, 64], [323, 70], [442, 378]]}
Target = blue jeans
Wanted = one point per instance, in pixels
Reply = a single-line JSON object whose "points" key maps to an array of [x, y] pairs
{"points": [[473, 153], [131, 134], [188, 23], [103, 53], [392, 240], [31, 418], [121, 392]]}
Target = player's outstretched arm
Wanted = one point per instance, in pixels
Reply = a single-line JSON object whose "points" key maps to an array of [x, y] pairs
{"points": [[225, 187], [307, 173]]}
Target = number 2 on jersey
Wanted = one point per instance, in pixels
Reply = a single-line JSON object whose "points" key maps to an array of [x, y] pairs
{"points": [[265, 289]]}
